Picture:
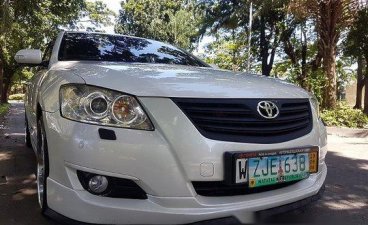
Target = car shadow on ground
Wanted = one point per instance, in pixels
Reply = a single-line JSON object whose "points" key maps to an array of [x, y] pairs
{"points": [[345, 200]]}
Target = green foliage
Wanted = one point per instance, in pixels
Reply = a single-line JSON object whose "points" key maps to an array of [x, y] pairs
{"points": [[4, 108], [345, 116], [183, 28], [30, 24], [23, 74], [315, 80], [99, 13], [356, 43], [16, 97], [227, 52], [171, 21], [93, 17], [269, 18], [146, 17]]}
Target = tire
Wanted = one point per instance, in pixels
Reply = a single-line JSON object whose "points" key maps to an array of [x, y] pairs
{"points": [[42, 165], [27, 138]]}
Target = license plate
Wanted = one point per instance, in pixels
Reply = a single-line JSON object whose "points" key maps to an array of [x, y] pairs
{"points": [[274, 167]]}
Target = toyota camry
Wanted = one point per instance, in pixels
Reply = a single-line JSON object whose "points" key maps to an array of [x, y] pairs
{"points": [[128, 130]]}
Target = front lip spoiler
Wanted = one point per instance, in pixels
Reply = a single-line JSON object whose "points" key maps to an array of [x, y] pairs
{"points": [[63, 220], [260, 215], [263, 214]]}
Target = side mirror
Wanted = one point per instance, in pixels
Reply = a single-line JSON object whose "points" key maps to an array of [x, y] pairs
{"points": [[29, 56], [214, 66]]}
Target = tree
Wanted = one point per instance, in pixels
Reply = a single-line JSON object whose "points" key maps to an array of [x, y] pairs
{"points": [[331, 18], [298, 43], [98, 13], [270, 26], [356, 45], [227, 51], [25, 24], [32, 23], [267, 29], [93, 17], [170, 21], [360, 83]]}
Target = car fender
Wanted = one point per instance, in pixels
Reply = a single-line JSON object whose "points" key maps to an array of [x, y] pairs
{"points": [[48, 95]]}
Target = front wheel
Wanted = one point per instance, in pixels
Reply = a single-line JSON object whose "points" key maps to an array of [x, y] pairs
{"points": [[42, 165]]}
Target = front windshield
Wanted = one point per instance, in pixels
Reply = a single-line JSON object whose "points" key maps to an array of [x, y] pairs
{"points": [[104, 47]]}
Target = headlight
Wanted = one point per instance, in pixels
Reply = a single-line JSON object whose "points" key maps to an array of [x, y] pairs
{"points": [[315, 105], [101, 106]]}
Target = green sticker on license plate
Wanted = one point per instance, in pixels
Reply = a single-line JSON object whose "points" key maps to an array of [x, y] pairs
{"points": [[277, 169]]}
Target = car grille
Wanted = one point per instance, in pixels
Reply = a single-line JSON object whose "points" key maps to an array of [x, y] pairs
{"points": [[238, 120]]}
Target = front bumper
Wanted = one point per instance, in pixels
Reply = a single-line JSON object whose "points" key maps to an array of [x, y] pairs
{"points": [[259, 216], [163, 163], [82, 206]]}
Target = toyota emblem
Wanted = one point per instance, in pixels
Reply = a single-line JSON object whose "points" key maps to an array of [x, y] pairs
{"points": [[267, 109]]}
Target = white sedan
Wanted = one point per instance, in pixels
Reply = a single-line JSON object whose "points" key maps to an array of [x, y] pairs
{"points": [[134, 131]]}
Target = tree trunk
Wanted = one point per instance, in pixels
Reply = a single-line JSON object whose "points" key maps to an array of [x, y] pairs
{"points": [[303, 75], [1, 81], [360, 84], [4, 93], [328, 25], [365, 110], [263, 46], [233, 60], [290, 51], [267, 58], [7, 77], [329, 66]]}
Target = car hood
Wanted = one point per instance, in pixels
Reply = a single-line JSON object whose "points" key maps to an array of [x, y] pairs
{"points": [[158, 80]]}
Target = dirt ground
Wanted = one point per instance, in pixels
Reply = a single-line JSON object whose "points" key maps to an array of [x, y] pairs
{"points": [[345, 200]]}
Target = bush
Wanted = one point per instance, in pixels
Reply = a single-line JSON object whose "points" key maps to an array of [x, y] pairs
{"points": [[4, 108], [345, 116], [16, 97]]}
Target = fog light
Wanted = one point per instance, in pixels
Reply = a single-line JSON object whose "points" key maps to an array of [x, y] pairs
{"points": [[113, 187], [98, 184]]}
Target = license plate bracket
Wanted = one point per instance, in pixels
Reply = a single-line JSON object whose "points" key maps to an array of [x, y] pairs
{"points": [[243, 159]]}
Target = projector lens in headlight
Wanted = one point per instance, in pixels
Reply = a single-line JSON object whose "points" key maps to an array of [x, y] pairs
{"points": [[96, 105], [99, 105]]}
